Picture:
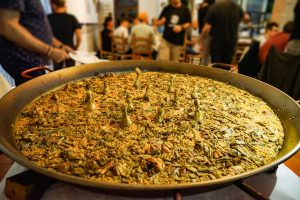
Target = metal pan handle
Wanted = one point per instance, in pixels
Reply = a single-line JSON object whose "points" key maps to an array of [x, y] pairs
{"points": [[25, 73]]}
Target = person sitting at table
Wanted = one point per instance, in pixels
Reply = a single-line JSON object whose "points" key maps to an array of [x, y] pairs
{"points": [[122, 31], [279, 41], [272, 28], [143, 30], [106, 33]]}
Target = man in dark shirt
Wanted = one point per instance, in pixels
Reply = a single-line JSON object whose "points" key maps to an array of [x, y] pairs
{"points": [[25, 38], [203, 8], [175, 18], [222, 22], [64, 26]]}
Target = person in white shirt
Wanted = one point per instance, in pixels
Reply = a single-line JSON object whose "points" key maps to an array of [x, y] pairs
{"points": [[122, 31]]}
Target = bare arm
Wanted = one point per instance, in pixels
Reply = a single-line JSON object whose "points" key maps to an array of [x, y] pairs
{"points": [[78, 38], [206, 30], [179, 28], [160, 22], [9, 23], [58, 44], [186, 25]]}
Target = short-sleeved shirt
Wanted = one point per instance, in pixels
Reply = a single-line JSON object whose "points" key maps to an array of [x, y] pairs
{"points": [[175, 16], [13, 58], [64, 26], [224, 17], [201, 15]]}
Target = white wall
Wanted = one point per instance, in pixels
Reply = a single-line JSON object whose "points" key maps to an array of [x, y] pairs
{"points": [[84, 10], [151, 7]]}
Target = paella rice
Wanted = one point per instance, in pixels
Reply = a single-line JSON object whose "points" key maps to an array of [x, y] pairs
{"points": [[148, 128]]}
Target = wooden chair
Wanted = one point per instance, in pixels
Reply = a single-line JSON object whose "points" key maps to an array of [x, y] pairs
{"points": [[188, 57], [141, 47], [193, 58], [118, 46]]}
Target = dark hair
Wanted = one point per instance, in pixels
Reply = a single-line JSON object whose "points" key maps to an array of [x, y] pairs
{"points": [[270, 25], [124, 20], [288, 27], [210, 2], [107, 20], [58, 3]]}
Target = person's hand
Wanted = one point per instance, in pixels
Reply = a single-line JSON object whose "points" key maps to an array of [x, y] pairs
{"points": [[155, 21], [177, 28], [68, 49], [58, 55]]}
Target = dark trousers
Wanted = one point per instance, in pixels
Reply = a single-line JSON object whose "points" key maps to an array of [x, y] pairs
{"points": [[221, 56], [15, 73]]}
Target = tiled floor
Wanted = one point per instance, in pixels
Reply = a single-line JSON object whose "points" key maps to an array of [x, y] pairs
{"points": [[293, 163]]}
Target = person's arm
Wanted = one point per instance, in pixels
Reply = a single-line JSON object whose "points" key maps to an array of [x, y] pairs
{"points": [[179, 28], [160, 22], [187, 23], [9, 23], [58, 44], [206, 30], [204, 33], [162, 19], [78, 38]]}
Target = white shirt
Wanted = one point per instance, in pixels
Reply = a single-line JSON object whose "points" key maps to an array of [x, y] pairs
{"points": [[123, 32]]}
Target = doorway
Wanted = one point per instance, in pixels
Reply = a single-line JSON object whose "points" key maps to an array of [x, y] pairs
{"points": [[125, 9]]}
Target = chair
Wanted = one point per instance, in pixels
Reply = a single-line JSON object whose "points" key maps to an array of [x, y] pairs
{"points": [[141, 47], [193, 58], [242, 46], [282, 71], [118, 47], [189, 57]]}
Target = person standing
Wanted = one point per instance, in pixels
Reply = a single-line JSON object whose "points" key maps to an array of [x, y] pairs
{"points": [[26, 39], [176, 18], [222, 22], [205, 41], [64, 26]]}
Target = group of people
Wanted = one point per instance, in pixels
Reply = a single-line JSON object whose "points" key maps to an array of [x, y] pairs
{"points": [[28, 40], [35, 41], [217, 24]]}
